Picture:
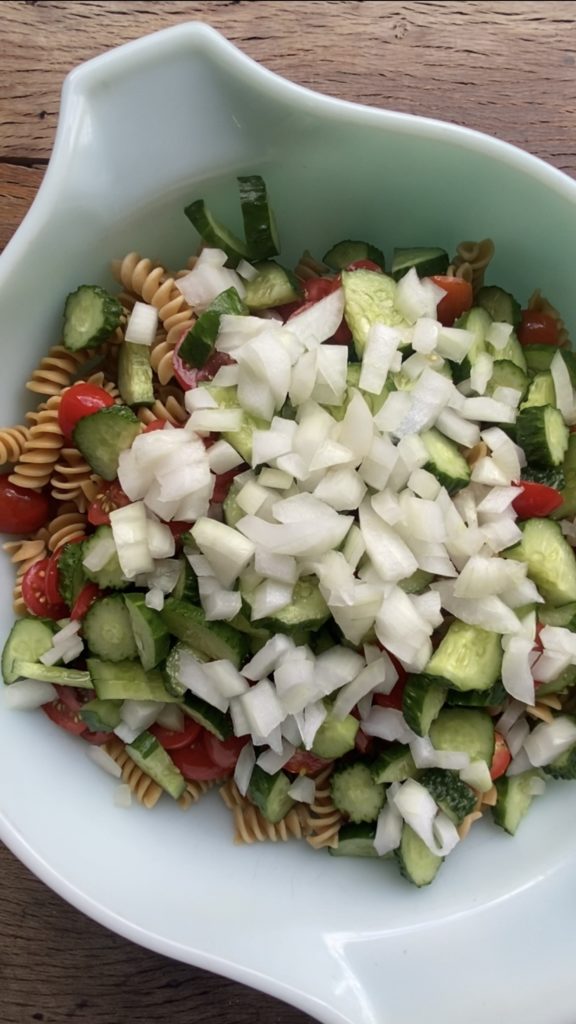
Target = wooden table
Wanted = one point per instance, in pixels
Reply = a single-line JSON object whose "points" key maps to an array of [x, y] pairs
{"points": [[503, 68]]}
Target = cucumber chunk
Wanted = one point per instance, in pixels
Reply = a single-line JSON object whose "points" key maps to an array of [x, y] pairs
{"points": [[91, 315], [269, 793], [259, 223], [307, 610], [108, 631], [344, 253], [151, 637], [549, 476], [445, 461], [272, 286], [28, 639], [567, 509], [186, 588], [550, 560], [152, 759], [210, 718], [478, 698], [135, 374], [216, 640], [198, 344], [453, 796], [101, 715], [214, 234], [564, 616], [59, 674], [241, 440], [394, 764], [369, 299], [335, 737], [355, 841], [501, 305], [464, 729], [71, 572], [103, 435], [543, 435], [506, 374], [541, 391], [127, 680], [468, 658], [421, 702], [563, 767], [356, 794], [476, 320], [427, 261], [514, 799], [416, 862], [511, 353]]}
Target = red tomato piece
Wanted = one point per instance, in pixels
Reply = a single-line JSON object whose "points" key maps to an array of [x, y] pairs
{"points": [[51, 579], [34, 593], [64, 710], [196, 764], [189, 377], [172, 739], [537, 328], [78, 401], [90, 592], [223, 482], [154, 425], [224, 753], [536, 500], [317, 288], [97, 739], [458, 298], [363, 743], [110, 497], [177, 528], [22, 510], [395, 698], [304, 762], [365, 265], [501, 758]]}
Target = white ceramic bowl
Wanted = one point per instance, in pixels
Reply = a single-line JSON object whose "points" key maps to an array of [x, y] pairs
{"points": [[143, 130]]}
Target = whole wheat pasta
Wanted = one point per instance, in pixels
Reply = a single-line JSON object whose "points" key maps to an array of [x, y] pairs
{"points": [[23, 554], [56, 370], [146, 791], [471, 261], [12, 443], [250, 826], [162, 352], [42, 448]]}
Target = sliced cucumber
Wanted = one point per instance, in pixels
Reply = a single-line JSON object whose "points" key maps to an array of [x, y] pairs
{"points": [[563, 682], [550, 560], [492, 697], [210, 718], [127, 680], [269, 793], [476, 320], [214, 233], [307, 610], [59, 674], [417, 582], [511, 353], [514, 799], [151, 637], [501, 305], [453, 796], [186, 588], [539, 357], [344, 253], [135, 374], [541, 391], [394, 764], [152, 759], [567, 509], [71, 573], [335, 737], [355, 841], [28, 639], [272, 286], [467, 658], [427, 261], [241, 439], [355, 793], [101, 715], [369, 299], [108, 631], [563, 767], [110, 576], [216, 640], [464, 729], [421, 702], [543, 435], [416, 862], [101, 437], [506, 374], [552, 476], [91, 315], [445, 461], [564, 616], [198, 344], [259, 223]]}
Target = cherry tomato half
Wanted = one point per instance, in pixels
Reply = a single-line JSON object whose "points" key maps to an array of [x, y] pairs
{"points": [[51, 579], [536, 500], [458, 298], [223, 483], [365, 265], [172, 739], [22, 510], [90, 592], [78, 401], [317, 288], [196, 764], [501, 758], [154, 425], [64, 711], [302, 761], [537, 328], [110, 497], [223, 753], [189, 377], [34, 593]]}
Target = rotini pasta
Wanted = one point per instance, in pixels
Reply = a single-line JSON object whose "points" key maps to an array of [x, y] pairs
{"points": [[250, 826], [194, 791], [323, 820], [56, 371], [69, 525], [146, 791], [24, 554], [168, 407], [73, 479], [42, 448], [12, 443], [151, 282], [471, 261]]}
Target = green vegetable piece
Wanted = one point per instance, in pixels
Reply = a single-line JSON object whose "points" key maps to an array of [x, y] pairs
{"points": [[550, 560], [272, 286], [369, 299], [214, 234], [259, 222], [344, 253], [269, 793], [135, 374], [543, 435], [103, 435], [107, 630], [91, 315], [28, 640], [416, 862], [514, 799], [453, 796], [148, 755], [445, 461], [335, 737], [427, 261], [71, 575], [198, 344], [355, 793], [467, 658], [101, 715]]}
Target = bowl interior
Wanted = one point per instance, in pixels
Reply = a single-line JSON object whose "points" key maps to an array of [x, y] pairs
{"points": [[144, 132]]}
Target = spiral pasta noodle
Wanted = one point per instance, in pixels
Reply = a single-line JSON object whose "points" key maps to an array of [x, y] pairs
{"points": [[308, 267], [151, 282], [73, 479], [250, 826], [162, 352], [323, 820], [69, 525], [168, 408], [146, 791], [193, 792], [12, 443], [539, 304], [42, 448], [471, 261], [56, 371], [23, 554]]}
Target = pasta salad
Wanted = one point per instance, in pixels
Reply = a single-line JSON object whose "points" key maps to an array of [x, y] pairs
{"points": [[304, 536]]}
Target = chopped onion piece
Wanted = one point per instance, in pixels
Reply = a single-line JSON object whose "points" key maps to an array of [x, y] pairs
{"points": [[303, 790], [123, 796], [563, 388], [104, 761], [154, 598], [477, 775], [381, 346], [548, 740], [498, 334], [227, 551], [536, 786], [142, 325], [268, 657], [388, 830], [28, 694], [272, 762], [244, 768], [387, 724], [517, 735]]}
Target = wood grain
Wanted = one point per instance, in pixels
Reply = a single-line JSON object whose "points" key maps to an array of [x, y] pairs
{"points": [[505, 68]]}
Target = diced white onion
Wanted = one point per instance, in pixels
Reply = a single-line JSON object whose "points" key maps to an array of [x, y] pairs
{"points": [[28, 694], [123, 796], [388, 830], [550, 739], [244, 768], [477, 775], [142, 324], [303, 790], [104, 761]]}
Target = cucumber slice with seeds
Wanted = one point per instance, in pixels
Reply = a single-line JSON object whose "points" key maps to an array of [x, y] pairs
{"points": [[416, 862], [467, 658], [127, 680], [151, 637], [445, 461], [216, 640], [272, 286], [344, 253], [501, 305], [101, 715], [61, 675], [110, 575], [28, 639], [368, 299], [464, 729], [107, 630], [506, 374], [91, 315], [214, 233], [153, 760], [103, 435], [355, 793], [259, 222], [542, 433], [421, 702], [427, 261], [135, 374], [394, 764], [550, 560], [541, 391]]}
